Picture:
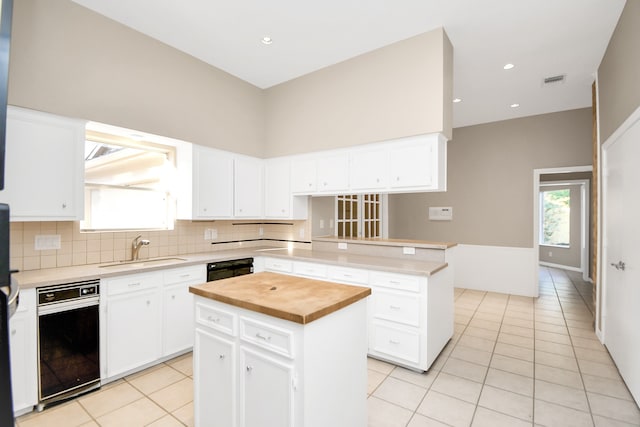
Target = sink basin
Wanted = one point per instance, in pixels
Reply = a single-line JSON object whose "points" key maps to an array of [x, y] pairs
{"points": [[143, 262]]}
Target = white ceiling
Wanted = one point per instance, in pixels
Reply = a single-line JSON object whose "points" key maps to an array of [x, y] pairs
{"points": [[541, 37]]}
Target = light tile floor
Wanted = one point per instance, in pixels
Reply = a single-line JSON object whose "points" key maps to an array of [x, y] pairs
{"points": [[514, 361]]}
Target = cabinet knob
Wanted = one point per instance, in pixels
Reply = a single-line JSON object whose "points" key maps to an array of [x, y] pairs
{"points": [[13, 332], [64, 206], [173, 297], [148, 302], [249, 368], [221, 356]]}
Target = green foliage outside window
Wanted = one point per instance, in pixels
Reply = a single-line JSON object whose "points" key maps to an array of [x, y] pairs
{"points": [[556, 214]]}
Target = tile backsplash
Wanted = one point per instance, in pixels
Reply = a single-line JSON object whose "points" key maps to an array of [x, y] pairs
{"points": [[78, 248]]}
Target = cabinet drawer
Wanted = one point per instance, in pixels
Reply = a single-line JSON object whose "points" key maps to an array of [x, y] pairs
{"points": [[349, 275], [396, 281], [308, 269], [193, 273], [279, 265], [396, 307], [132, 283], [216, 318], [266, 336], [396, 343]]}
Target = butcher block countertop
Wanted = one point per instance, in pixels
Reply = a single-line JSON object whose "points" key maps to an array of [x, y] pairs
{"points": [[291, 298]]}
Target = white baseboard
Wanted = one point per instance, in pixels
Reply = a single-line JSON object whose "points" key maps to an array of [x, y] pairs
{"points": [[501, 269], [563, 267]]}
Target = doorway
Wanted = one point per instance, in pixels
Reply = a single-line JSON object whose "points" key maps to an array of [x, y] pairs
{"points": [[540, 176]]}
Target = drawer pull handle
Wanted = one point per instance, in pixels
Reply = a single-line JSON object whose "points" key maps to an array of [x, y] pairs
{"points": [[347, 275], [394, 282], [131, 285], [211, 319], [185, 275], [394, 342], [262, 337], [394, 307]]}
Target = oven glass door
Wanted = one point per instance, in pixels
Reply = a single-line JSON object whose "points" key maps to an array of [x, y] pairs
{"points": [[69, 350]]}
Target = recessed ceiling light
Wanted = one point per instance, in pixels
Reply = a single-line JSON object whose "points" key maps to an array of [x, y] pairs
{"points": [[267, 40], [515, 105], [456, 100], [508, 66]]}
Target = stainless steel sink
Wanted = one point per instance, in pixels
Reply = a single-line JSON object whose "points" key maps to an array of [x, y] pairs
{"points": [[143, 262]]}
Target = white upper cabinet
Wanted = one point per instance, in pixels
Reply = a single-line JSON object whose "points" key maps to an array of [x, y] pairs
{"points": [[333, 173], [303, 175], [279, 203], [417, 163], [206, 182], [368, 169], [413, 164], [44, 175], [248, 187]]}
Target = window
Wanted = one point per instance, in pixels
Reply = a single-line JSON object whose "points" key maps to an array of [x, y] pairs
{"points": [[555, 217], [359, 215], [127, 184]]}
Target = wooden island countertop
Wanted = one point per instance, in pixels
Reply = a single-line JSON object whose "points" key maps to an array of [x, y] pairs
{"points": [[296, 299]]}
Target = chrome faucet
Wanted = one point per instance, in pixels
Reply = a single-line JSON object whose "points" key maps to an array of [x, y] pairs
{"points": [[135, 246]]}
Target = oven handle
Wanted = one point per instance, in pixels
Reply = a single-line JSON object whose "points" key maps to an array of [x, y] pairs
{"points": [[68, 305]]}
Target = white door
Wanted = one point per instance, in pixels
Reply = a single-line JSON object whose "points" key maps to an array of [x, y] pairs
{"points": [[621, 234]]}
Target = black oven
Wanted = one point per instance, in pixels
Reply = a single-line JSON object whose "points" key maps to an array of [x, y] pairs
{"points": [[225, 269], [68, 340]]}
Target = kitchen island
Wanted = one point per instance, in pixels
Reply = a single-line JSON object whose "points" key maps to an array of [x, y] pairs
{"points": [[278, 350]]}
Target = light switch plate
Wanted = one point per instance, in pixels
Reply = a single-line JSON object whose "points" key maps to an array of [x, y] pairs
{"points": [[441, 213], [342, 246]]}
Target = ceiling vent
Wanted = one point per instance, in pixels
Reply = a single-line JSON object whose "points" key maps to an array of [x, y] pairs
{"points": [[554, 80]]}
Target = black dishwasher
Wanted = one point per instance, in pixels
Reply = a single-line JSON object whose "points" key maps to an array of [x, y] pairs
{"points": [[225, 269]]}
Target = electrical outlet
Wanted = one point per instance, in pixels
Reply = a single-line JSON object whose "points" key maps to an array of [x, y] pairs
{"points": [[409, 250], [207, 234], [550, 254], [330, 223], [45, 242], [342, 246], [322, 224], [214, 233], [261, 231], [301, 233]]}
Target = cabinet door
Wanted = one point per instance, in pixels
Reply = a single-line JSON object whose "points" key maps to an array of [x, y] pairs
{"points": [[178, 320], [369, 169], [44, 166], [333, 173], [266, 391], [213, 183], [303, 175], [277, 193], [133, 331], [412, 164], [214, 366], [23, 343], [248, 189]]}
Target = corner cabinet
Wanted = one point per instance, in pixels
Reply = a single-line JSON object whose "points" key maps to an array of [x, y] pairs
{"points": [[279, 202], [44, 175]]}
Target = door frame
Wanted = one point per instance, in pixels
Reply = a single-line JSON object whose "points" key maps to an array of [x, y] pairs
{"points": [[536, 211]]}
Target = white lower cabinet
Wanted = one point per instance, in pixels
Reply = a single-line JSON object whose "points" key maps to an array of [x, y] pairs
{"points": [[24, 353], [133, 319], [146, 317], [266, 390], [254, 370], [215, 365], [177, 313]]}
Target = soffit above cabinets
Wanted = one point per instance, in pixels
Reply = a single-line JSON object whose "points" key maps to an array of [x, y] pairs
{"points": [[541, 37]]}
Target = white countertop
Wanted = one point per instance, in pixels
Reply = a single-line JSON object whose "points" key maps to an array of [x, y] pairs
{"points": [[53, 276]]}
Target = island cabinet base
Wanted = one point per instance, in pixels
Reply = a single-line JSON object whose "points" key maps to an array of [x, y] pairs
{"points": [[254, 370]]}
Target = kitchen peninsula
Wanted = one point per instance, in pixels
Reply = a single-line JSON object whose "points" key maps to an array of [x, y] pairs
{"points": [[274, 349]]}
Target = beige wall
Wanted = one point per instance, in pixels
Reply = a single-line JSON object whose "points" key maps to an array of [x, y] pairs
{"points": [[618, 87], [400, 90], [490, 180], [70, 61]]}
